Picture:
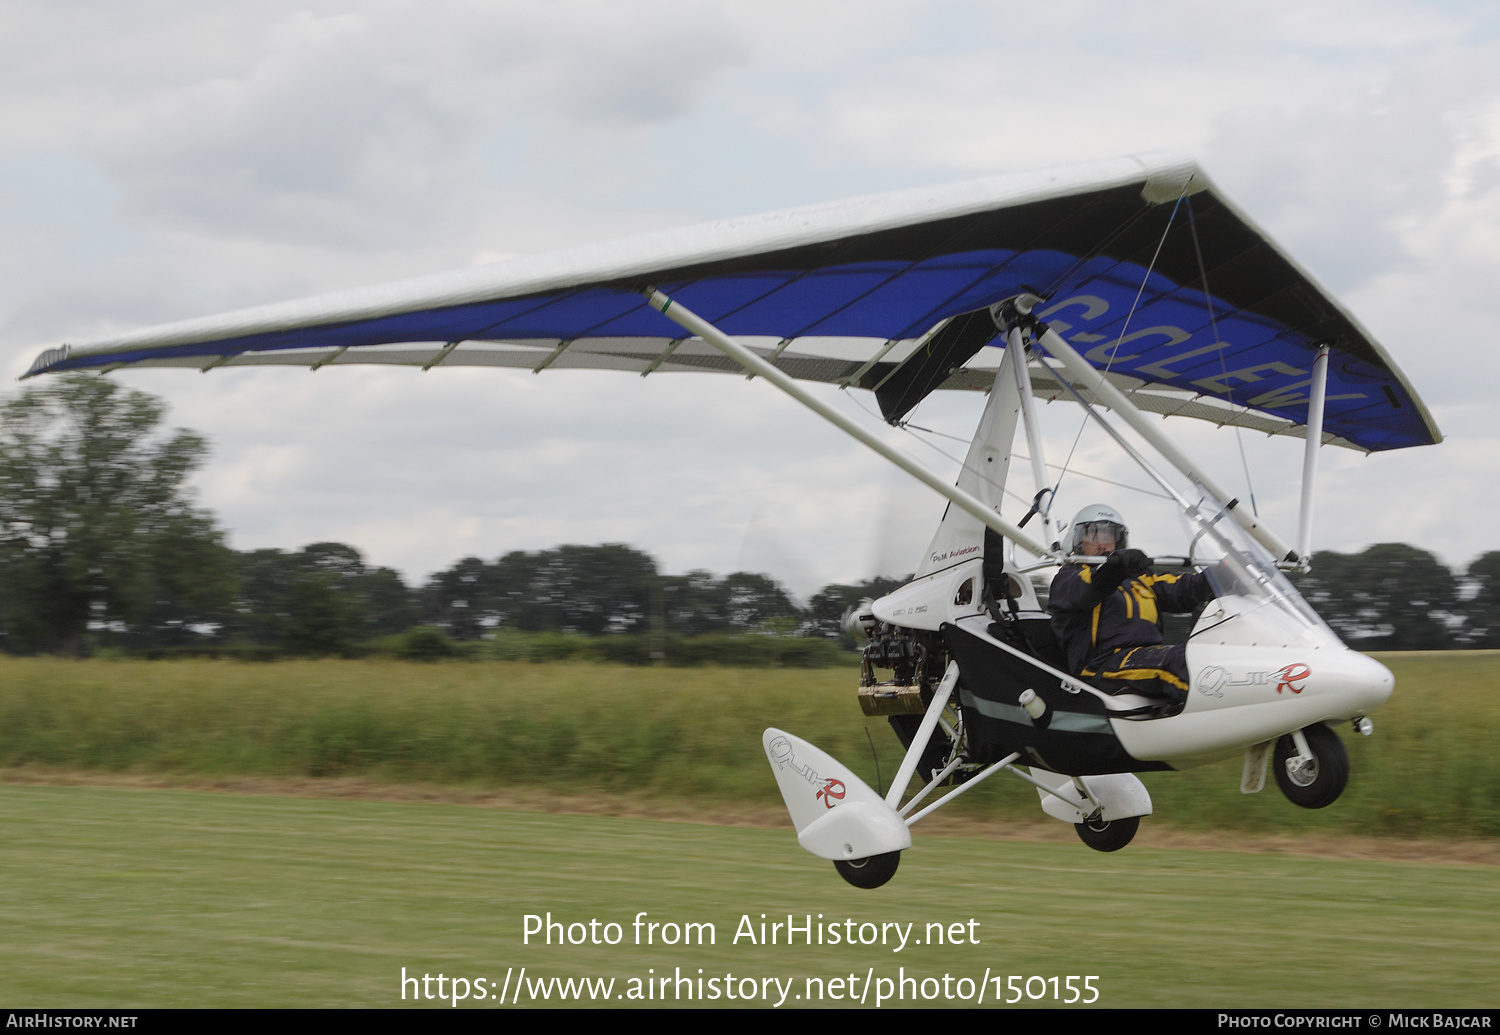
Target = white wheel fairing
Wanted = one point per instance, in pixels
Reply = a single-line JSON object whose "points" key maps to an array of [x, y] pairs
{"points": [[837, 815], [1120, 795]]}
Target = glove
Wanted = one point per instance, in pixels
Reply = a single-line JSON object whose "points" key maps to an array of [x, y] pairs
{"points": [[1117, 567], [1109, 575]]}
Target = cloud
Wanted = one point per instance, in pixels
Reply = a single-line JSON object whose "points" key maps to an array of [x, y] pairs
{"points": [[350, 129], [167, 160]]}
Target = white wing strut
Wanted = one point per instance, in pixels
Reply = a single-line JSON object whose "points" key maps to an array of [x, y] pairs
{"points": [[1015, 352], [1310, 456], [695, 324]]}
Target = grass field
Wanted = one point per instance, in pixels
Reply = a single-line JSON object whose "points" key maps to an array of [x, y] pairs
{"points": [[1430, 770], [155, 898]]}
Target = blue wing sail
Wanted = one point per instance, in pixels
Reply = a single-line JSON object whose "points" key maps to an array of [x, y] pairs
{"points": [[1223, 314]]}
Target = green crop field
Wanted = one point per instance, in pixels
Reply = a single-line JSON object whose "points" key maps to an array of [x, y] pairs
{"points": [[151, 898], [675, 735]]}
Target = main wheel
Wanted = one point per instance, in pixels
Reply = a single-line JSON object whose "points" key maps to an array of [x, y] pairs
{"points": [[1108, 835], [870, 872], [1318, 783]]}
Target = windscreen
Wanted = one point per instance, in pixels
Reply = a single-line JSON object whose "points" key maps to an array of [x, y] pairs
{"points": [[1239, 567]]}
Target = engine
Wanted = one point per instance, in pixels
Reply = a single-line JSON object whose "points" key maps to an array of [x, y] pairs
{"points": [[915, 658]]}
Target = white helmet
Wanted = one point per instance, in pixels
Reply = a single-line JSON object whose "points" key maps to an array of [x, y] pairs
{"points": [[1098, 520]]}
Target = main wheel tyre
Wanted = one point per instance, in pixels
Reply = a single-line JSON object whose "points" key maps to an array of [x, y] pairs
{"points": [[870, 872], [1318, 783], [1108, 835]]}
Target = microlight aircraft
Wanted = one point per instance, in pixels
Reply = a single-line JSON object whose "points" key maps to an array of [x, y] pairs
{"points": [[1132, 287]]}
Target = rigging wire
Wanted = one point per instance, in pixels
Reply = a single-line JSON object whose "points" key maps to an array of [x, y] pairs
{"points": [[1066, 467], [1120, 338], [912, 429], [943, 453], [1107, 481], [1213, 323], [1027, 457]]}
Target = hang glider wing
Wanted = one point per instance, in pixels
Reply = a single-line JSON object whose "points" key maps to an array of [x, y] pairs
{"points": [[888, 293]]}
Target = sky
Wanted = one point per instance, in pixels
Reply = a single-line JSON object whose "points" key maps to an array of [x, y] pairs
{"points": [[163, 160]]}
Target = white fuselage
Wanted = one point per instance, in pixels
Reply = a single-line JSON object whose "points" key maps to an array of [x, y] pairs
{"points": [[1256, 671], [1256, 675]]}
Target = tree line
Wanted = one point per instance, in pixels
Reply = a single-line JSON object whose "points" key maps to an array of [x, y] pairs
{"points": [[101, 545], [325, 600], [1396, 597]]}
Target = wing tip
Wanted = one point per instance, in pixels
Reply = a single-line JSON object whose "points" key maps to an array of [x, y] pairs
{"points": [[47, 361], [1170, 175]]}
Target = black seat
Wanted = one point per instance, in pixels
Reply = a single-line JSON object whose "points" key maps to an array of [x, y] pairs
{"points": [[1042, 642]]}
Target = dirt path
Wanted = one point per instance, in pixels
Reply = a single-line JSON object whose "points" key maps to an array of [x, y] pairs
{"points": [[1153, 834]]}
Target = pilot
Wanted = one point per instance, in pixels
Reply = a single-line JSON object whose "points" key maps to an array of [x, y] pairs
{"points": [[1107, 617]]}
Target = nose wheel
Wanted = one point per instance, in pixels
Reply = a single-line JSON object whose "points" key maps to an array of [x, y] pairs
{"points": [[1312, 778]]}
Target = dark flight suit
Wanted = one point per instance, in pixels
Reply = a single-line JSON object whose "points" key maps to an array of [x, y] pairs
{"points": [[1108, 620]]}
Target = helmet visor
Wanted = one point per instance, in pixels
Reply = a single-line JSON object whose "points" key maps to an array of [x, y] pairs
{"points": [[1109, 534]]}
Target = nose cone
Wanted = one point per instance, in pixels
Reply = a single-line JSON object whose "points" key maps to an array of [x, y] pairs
{"points": [[1368, 683], [1347, 684]]}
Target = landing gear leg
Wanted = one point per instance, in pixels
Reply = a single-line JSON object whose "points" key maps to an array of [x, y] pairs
{"points": [[934, 756]]}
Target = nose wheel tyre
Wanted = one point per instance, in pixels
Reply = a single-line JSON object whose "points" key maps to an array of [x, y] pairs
{"points": [[1317, 782], [1108, 835], [870, 872]]}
